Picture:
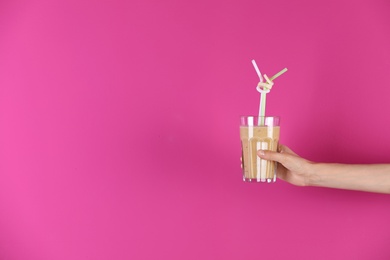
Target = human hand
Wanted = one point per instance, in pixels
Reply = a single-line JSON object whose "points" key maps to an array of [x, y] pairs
{"points": [[291, 168]]}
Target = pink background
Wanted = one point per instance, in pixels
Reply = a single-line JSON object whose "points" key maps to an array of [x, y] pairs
{"points": [[119, 127]]}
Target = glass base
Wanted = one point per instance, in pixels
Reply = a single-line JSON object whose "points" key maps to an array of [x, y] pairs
{"points": [[254, 180]]}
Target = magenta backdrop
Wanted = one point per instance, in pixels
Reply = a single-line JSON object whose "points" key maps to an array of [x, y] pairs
{"points": [[119, 127]]}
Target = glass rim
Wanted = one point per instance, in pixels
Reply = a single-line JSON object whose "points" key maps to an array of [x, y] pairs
{"points": [[260, 120], [259, 116]]}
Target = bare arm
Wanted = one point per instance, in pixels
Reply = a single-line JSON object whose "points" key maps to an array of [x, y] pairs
{"points": [[299, 171], [363, 177]]}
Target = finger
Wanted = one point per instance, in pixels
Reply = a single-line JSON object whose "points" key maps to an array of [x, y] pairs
{"points": [[272, 156], [285, 149], [290, 161]]}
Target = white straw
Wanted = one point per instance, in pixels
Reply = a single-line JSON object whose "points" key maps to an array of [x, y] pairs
{"points": [[262, 95], [257, 70]]}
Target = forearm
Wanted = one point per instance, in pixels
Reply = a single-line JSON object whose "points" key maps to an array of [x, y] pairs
{"points": [[370, 177]]}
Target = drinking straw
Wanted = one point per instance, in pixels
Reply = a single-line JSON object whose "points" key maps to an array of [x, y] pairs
{"points": [[262, 95], [257, 70], [263, 98], [278, 74], [266, 87]]}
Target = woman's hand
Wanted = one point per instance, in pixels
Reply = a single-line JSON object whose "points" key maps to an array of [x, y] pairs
{"points": [[291, 168]]}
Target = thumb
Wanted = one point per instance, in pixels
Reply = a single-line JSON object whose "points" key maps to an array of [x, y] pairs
{"points": [[272, 156], [284, 156], [291, 161]]}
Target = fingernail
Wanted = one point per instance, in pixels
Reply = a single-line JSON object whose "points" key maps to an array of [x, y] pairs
{"points": [[260, 152]]}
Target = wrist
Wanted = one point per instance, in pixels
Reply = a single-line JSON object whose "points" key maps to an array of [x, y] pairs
{"points": [[313, 176]]}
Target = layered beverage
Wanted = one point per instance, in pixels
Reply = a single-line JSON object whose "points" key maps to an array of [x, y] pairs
{"points": [[258, 133]]}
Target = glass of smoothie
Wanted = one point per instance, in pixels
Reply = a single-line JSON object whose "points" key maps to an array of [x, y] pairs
{"points": [[259, 133]]}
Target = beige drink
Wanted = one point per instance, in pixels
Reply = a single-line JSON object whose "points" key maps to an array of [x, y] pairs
{"points": [[254, 138]]}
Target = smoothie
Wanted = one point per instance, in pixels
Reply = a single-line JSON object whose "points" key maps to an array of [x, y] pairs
{"points": [[254, 138]]}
